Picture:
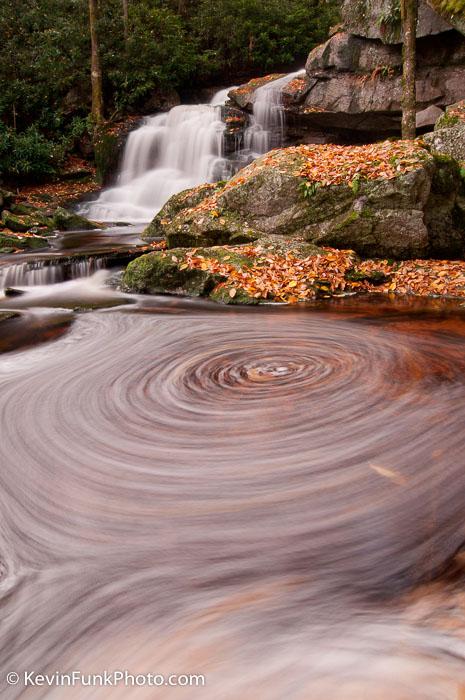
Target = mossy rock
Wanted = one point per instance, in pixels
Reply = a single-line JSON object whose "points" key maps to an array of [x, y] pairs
{"points": [[16, 223], [183, 200], [158, 273], [68, 221], [10, 243], [106, 153], [222, 295]]}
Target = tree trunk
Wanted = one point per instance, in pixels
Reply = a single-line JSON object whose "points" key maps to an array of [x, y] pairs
{"points": [[409, 12], [126, 20], [95, 70]]}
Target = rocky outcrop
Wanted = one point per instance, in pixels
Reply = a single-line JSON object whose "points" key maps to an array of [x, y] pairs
{"points": [[380, 19], [390, 206], [353, 81]]}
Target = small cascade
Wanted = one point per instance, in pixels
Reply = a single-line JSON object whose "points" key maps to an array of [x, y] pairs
{"points": [[42, 272], [268, 120]]}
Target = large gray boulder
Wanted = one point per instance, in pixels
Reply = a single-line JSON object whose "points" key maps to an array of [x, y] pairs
{"points": [[415, 210]]}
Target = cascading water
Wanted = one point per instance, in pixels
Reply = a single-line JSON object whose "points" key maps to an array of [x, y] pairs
{"points": [[183, 148], [267, 123], [42, 272], [167, 154]]}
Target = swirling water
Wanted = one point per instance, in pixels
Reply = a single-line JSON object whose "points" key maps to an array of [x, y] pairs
{"points": [[265, 497]]}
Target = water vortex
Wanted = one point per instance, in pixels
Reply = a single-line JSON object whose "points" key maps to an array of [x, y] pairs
{"points": [[241, 494]]}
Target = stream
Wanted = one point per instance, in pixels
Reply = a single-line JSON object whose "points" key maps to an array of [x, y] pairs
{"points": [[271, 497]]}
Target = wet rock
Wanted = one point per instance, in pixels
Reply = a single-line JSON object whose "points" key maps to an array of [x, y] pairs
{"points": [[244, 95], [9, 243], [160, 272], [69, 221], [12, 292]]}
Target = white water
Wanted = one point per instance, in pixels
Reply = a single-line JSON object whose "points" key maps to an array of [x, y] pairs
{"points": [[183, 148], [268, 120], [167, 154], [37, 272]]}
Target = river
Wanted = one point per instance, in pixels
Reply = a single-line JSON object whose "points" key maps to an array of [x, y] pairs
{"points": [[270, 497]]}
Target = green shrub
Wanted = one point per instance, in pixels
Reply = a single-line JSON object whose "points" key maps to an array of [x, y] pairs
{"points": [[28, 155]]}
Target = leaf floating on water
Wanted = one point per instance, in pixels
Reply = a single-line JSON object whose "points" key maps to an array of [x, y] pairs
{"points": [[394, 476]]}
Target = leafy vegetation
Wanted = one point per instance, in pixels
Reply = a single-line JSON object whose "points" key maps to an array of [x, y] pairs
{"points": [[175, 44]]}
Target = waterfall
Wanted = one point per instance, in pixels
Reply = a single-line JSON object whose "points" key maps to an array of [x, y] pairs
{"points": [[42, 272], [182, 148], [166, 154], [266, 130]]}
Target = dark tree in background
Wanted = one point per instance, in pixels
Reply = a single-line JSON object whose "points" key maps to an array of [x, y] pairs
{"points": [[409, 15]]}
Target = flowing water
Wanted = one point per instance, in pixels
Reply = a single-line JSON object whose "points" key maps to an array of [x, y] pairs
{"points": [[271, 498], [264, 497], [183, 148]]}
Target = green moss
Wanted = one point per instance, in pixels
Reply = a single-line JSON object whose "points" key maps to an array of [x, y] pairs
{"points": [[222, 295], [158, 273], [106, 154], [68, 221], [10, 243], [445, 121]]}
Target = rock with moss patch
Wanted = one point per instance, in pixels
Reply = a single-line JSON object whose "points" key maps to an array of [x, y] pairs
{"points": [[161, 273], [394, 216], [183, 200], [449, 140], [69, 221], [227, 294], [9, 243]]}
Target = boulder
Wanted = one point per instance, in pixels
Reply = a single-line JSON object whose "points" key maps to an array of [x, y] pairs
{"points": [[448, 141], [206, 227], [393, 214], [10, 243], [18, 223], [183, 200], [64, 220], [354, 83], [161, 272], [380, 19], [451, 12], [244, 95]]}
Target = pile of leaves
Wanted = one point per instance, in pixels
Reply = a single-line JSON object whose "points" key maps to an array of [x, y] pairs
{"points": [[420, 277], [284, 276], [256, 83], [329, 164]]}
